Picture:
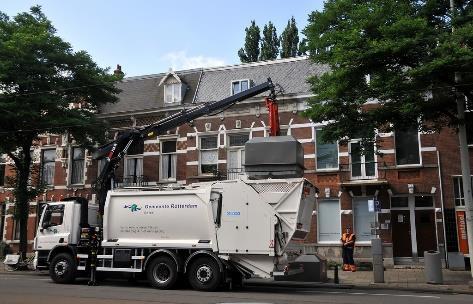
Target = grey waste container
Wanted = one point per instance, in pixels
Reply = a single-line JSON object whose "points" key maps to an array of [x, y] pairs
{"points": [[433, 267]]}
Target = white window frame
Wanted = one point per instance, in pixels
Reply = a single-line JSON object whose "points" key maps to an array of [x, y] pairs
{"points": [[125, 166], [172, 155], [71, 162], [366, 198], [239, 81], [420, 153], [3, 163], [316, 164], [462, 195], [240, 149], [363, 175], [337, 241], [200, 151], [175, 99], [42, 164]]}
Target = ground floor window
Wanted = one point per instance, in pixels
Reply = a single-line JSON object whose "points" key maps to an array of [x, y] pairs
{"points": [[328, 218], [362, 219]]}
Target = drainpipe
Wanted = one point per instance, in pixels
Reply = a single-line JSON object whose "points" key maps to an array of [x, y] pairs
{"points": [[443, 212]]}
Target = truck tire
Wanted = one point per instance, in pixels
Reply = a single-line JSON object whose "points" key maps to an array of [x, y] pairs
{"points": [[63, 268], [162, 272], [204, 274]]}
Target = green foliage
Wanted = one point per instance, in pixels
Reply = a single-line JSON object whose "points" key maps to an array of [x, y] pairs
{"points": [[269, 43], [399, 53], [252, 39], [289, 39], [45, 86]]}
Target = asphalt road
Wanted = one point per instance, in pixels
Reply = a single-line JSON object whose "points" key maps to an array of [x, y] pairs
{"points": [[39, 289]]}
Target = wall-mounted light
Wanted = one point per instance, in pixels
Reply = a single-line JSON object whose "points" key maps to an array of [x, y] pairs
{"points": [[340, 193], [433, 190], [390, 192], [411, 188]]}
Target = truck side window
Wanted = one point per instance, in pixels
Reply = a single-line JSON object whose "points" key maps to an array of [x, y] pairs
{"points": [[216, 201], [54, 215]]}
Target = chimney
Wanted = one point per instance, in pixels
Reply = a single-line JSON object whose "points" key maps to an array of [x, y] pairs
{"points": [[118, 71]]}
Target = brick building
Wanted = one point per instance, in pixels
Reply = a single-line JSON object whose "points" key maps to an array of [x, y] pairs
{"points": [[412, 177]]}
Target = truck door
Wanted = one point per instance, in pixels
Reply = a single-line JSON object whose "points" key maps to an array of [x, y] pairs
{"points": [[52, 228]]}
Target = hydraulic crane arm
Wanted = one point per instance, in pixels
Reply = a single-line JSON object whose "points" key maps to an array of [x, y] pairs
{"points": [[116, 150]]}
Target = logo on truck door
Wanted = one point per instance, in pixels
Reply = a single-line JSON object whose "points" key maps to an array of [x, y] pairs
{"points": [[133, 207]]}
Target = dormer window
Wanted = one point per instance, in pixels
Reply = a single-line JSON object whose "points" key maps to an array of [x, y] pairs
{"points": [[240, 86], [174, 88], [172, 92]]}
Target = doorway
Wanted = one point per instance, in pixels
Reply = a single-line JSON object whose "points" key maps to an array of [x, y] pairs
{"points": [[401, 233]]}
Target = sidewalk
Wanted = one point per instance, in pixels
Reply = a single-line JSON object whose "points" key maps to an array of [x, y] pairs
{"points": [[408, 279]]}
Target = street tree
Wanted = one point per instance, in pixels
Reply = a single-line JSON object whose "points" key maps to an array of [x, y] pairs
{"points": [[251, 50], [411, 60], [269, 43], [45, 87], [290, 39]]}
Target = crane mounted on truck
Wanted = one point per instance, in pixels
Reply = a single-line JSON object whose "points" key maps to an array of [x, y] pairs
{"points": [[212, 233]]}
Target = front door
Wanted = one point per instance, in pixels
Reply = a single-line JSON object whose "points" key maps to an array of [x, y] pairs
{"points": [[401, 232], [425, 231]]}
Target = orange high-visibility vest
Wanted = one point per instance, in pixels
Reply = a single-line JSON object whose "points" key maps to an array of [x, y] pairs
{"points": [[348, 237]]}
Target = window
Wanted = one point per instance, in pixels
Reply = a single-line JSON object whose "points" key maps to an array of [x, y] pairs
{"points": [[16, 232], [236, 154], [469, 126], [77, 165], [458, 190], [53, 216], [328, 217], [239, 86], [362, 219], [399, 202], [208, 154], [48, 162], [407, 147], [2, 171], [172, 93], [327, 153], [100, 165], [424, 201], [168, 160], [134, 164], [362, 160]]}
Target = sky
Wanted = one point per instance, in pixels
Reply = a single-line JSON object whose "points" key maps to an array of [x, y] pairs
{"points": [[148, 37]]}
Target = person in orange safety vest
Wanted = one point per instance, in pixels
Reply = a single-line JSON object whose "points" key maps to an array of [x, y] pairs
{"points": [[348, 246]]}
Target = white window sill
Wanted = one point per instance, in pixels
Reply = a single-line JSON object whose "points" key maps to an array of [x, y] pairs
{"points": [[327, 170], [413, 166], [326, 243]]}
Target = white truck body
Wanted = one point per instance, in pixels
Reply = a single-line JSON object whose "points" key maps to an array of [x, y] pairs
{"points": [[244, 224]]}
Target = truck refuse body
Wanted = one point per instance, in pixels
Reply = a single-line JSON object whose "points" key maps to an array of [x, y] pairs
{"points": [[212, 232]]}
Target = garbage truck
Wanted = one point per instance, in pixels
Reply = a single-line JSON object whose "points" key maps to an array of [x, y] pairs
{"points": [[210, 233]]}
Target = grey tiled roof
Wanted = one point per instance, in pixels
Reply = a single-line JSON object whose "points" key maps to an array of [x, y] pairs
{"points": [[143, 93], [291, 74]]}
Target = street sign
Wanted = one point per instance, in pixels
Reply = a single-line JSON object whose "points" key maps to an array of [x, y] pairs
{"points": [[370, 205], [377, 205]]}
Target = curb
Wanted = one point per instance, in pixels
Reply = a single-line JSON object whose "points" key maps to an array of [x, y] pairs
{"points": [[372, 286]]}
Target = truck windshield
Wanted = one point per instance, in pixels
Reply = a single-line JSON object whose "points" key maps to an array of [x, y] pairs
{"points": [[53, 216]]}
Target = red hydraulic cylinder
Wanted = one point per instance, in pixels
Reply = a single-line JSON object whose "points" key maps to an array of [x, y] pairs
{"points": [[272, 106]]}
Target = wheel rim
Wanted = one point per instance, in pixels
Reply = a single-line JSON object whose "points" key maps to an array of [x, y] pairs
{"points": [[162, 273], [204, 274], [60, 268]]}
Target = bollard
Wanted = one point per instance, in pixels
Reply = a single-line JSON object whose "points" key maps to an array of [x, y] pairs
{"points": [[335, 275], [378, 266]]}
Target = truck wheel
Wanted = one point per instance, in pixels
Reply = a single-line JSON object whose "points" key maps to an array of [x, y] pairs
{"points": [[162, 272], [205, 274], [63, 268]]}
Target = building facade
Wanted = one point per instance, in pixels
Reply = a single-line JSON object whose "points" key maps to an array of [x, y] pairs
{"points": [[411, 179]]}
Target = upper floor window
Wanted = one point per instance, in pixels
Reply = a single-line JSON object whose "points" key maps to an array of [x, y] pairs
{"points": [[208, 154], [168, 160], [458, 190], [240, 86], [134, 164], [2, 171], [469, 126], [327, 152], [48, 162], [407, 147], [172, 93], [77, 165], [362, 160]]}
